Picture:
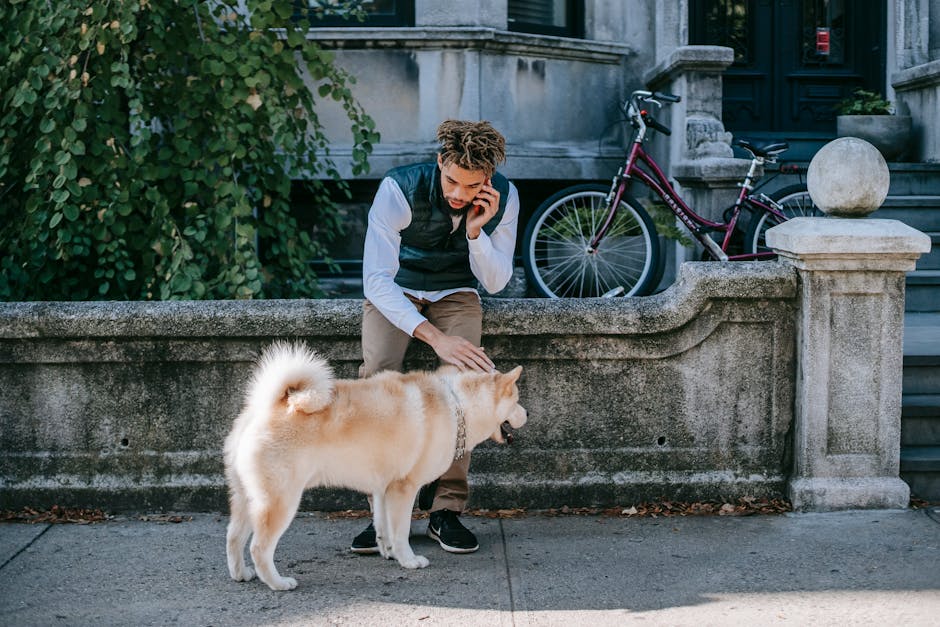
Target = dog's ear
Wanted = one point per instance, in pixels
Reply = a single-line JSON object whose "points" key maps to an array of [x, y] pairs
{"points": [[509, 379]]}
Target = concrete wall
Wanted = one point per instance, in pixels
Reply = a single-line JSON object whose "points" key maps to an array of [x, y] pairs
{"points": [[556, 99], [918, 95], [685, 395], [916, 75]]}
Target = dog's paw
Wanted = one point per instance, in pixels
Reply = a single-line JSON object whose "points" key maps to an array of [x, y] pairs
{"points": [[283, 583], [417, 561], [246, 574]]}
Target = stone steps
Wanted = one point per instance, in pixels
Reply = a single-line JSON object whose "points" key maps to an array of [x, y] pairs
{"points": [[920, 405]]}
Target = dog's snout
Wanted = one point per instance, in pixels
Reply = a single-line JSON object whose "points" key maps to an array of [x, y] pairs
{"points": [[519, 417]]}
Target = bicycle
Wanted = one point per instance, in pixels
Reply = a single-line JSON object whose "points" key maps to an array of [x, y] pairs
{"points": [[589, 241]]}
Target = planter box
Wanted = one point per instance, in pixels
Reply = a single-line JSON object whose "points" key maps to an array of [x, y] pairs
{"points": [[890, 134]]}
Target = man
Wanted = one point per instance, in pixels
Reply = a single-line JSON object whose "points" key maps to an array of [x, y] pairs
{"points": [[435, 230]]}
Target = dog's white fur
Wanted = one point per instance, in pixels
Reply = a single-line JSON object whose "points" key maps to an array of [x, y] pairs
{"points": [[386, 436]]}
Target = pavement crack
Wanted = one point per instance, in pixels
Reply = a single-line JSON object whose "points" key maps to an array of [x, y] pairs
{"points": [[28, 544], [512, 597], [933, 513]]}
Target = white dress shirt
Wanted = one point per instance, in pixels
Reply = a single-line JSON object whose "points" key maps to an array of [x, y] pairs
{"points": [[490, 256]]}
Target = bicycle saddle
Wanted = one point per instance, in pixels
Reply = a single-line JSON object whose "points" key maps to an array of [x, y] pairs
{"points": [[765, 150]]}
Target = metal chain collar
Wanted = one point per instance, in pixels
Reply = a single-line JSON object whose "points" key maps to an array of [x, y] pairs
{"points": [[461, 449]]}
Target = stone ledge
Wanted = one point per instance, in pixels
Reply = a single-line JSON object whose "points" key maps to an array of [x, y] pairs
{"points": [[691, 58], [698, 283], [918, 77], [849, 243], [688, 393], [473, 39]]}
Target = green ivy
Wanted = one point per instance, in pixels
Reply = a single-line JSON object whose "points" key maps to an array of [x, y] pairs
{"points": [[864, 102], [665, 221], [148, 146]]}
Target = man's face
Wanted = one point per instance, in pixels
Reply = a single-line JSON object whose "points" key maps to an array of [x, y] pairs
{"points": [[460, 186]]}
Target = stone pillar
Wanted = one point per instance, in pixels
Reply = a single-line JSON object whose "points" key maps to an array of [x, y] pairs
{"points": [[849, 334], [698, 155]]}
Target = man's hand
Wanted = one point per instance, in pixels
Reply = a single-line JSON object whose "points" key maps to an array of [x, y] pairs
{"points": [[453, 349], [484, 207]]}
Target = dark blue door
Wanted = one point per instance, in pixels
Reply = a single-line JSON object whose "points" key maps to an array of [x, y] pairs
{"points": [[794, 60]]}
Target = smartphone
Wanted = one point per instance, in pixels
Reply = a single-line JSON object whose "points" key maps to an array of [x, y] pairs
{"points": [[478, 208]]}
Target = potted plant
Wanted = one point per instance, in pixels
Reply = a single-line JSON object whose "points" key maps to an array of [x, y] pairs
{"points": [[867, 115]]}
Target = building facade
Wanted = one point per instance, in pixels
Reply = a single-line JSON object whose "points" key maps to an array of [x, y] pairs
{"points": [[551, 74]]}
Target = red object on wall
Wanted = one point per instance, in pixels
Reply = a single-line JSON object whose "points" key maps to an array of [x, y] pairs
{"points": [[822, 41]]}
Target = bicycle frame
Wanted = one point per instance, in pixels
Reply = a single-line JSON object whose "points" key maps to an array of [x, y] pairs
{"points": [[697, 225]]}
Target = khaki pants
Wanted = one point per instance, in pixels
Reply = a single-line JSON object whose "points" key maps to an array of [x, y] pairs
{"points": [[384, 346]]}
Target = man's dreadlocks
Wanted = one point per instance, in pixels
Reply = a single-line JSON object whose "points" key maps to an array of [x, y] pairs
{"points": [[471, 145]]}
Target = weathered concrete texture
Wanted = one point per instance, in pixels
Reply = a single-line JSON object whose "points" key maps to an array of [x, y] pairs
{"points": [[918, 93], [849, 351], [410, 79], [687, 394], [848, 177]]}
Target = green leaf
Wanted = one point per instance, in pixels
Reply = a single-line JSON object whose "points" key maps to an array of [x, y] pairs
{"points": [[100, 178], [295, 39], [180, 283]]}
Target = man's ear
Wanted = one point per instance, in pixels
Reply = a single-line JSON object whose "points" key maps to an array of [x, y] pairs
{"points": [[440, 162]]}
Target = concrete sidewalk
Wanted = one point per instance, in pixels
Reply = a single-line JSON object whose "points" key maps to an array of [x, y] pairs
{"points": [[855, 568]]}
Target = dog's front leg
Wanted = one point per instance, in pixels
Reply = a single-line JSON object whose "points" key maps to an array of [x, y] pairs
{"points": [[399, 499], [380, 522]]}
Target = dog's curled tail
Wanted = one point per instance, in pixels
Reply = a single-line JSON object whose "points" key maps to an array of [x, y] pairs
{"points": [[292, 373]]}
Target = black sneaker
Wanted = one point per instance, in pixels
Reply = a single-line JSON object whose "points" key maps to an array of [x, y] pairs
{"points": [[365, 543], [446, 528]]}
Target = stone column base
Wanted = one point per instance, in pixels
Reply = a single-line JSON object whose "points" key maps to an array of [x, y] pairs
{"points": [[830, 494]]}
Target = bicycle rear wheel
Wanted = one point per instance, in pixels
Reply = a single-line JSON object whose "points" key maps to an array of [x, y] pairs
{"points": [[558, 263], [794, 201]]}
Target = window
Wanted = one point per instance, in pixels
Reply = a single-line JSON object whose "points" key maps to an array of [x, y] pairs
{"points": [[723, 23], [377, 12], [547, 17], [823, 32]]}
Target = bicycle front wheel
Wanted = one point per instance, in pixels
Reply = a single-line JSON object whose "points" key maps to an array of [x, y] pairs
{"points": [[794, 201], [556, 247]]}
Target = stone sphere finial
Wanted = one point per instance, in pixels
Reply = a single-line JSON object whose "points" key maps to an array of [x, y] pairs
{"points": [[848, 178]]}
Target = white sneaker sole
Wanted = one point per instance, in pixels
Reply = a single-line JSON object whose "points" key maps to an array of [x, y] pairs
{"points": [[450, 549]]}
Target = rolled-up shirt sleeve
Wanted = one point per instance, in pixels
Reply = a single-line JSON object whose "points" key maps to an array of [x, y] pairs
{"points": [[389, 215], [491, 255]]}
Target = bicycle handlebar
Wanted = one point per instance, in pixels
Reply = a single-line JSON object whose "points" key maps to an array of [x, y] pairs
{"points": [[652, 123], [657, 96], [632, 108]]}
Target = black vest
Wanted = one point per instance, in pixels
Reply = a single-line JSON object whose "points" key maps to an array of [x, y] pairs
{"points": [[431, 256]]}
